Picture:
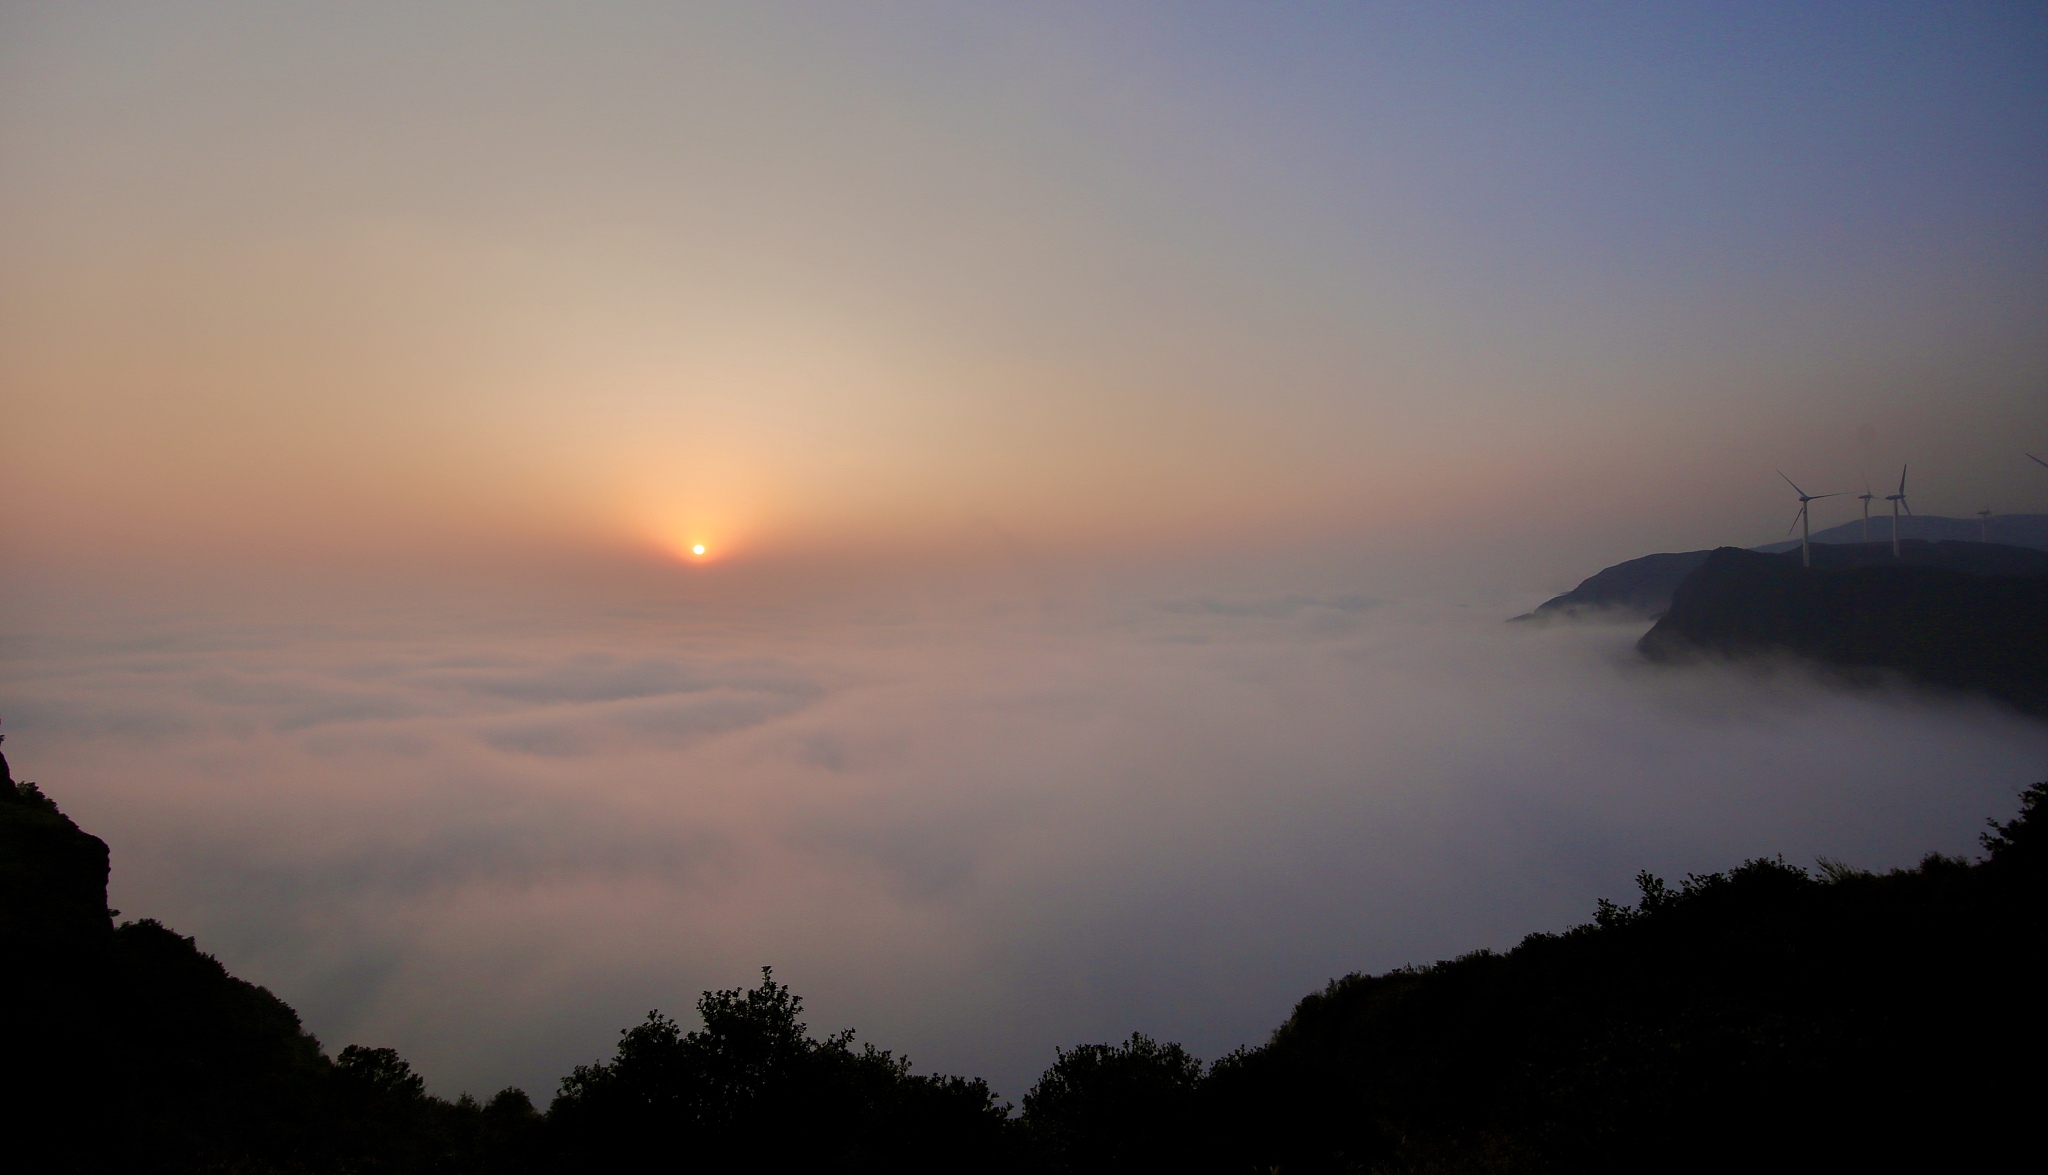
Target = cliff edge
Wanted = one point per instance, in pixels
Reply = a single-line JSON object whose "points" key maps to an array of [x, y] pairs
{"points": [[1937, 625]]}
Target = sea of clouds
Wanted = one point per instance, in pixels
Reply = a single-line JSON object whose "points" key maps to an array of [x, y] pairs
{"points": [[493, 837]]}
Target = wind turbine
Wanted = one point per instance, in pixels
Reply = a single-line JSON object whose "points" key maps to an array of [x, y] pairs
{"points": [[1897, 500], [1866, 498], [1984, 525], [1800, 520]]}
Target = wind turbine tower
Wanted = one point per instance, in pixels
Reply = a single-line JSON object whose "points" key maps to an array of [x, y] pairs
{"points": [[1984, 525], [1897, 500], [1800, 520], [1866, 497]]}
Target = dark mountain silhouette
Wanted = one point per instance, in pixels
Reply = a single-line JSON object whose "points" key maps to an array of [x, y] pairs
{"points": [[1760, 1019], [1969, 558], [1961, 619], [1637, 588], [1642, 588], [2012, 530], [1763, 1019], [54, 919], [129, 1050]]}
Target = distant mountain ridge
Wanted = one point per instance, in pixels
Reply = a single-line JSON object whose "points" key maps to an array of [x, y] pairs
{"points": [[1642, 587], [2013, 530]]}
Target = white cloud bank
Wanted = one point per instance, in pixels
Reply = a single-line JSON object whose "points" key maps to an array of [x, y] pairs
{"points": [[493, 843]]}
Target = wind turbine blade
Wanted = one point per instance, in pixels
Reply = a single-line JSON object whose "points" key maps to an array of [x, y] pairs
{"points": [[1793, 484], [1906, 504], [1795, 521], [1818, 497], [1902, 479], [2037, 461]]}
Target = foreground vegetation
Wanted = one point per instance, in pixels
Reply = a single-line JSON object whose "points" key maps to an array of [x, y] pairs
{"points": [[1763, 1018]]}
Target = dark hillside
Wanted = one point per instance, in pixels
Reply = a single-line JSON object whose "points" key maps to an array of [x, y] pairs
{"points": [[1638, 587], [2012, 530], [53, 876], [1936, 624], [1969, 557], [1644, 587], [146, 1054], [1762, 1019], [129, 1050], [58, 938]]}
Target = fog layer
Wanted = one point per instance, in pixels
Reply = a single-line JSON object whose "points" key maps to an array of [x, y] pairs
{"points": [[493, 836]]}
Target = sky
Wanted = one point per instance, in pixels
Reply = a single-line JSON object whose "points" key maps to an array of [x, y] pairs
{"points": [[1114, 432]]}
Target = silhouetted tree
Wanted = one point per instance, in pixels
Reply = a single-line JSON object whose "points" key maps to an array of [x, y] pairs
{"points": [[2021, 844], [1125, 1108], [1758, 1019], [752, 1089]]}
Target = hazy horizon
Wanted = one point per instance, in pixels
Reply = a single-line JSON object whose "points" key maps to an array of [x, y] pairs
{"points": [[1115, 435]]}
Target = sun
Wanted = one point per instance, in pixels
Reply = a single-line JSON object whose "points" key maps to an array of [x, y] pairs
{"points": [[694, 550]]}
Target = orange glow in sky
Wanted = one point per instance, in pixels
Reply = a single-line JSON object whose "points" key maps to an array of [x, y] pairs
{"points": [[581, 500], [1070, 316]]}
